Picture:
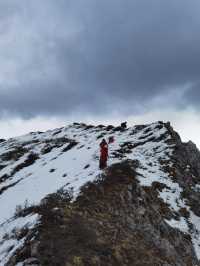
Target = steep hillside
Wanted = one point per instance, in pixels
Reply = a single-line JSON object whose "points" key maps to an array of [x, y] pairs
{"points": [[58, 208]]}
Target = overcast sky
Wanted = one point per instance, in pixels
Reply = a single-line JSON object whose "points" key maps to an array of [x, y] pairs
{"points": [[99, 61]]}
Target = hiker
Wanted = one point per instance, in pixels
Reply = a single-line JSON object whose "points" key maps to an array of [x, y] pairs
{"points": [[103, 154], [124, 125]]}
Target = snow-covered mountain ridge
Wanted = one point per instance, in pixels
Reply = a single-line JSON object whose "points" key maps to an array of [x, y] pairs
{"points": [[66, 159]]}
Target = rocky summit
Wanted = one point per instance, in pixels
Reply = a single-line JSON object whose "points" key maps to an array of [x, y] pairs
{"points": [[58, 209]]}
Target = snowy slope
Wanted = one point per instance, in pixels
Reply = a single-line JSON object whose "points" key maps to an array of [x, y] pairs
{"points": [[68, 158]]}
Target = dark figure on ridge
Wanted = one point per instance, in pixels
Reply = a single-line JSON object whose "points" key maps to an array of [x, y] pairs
{"points": [[124, 125], [103, 154]]}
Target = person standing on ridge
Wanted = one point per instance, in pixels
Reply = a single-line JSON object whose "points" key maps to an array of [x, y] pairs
{"points": [[124, 125], [103, 154]]}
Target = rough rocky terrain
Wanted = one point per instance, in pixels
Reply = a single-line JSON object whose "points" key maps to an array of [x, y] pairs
{"points": [[59, 209]]}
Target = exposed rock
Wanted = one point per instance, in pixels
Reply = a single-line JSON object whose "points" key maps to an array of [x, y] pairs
{"points": [[138, 211]]}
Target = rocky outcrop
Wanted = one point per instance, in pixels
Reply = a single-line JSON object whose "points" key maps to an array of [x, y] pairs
{"points": [[186, 154]]}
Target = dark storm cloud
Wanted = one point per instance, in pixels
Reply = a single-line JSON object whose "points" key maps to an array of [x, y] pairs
{"points": [[95, 56]]}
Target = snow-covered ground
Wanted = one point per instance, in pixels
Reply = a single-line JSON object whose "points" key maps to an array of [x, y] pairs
{"points": [[75, 167], [8, 233]]}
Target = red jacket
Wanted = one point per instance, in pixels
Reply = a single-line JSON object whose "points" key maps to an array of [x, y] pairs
{"points": [[104, 151]]}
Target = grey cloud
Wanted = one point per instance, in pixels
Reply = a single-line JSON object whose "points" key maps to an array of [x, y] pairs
{"points": [[192, 95], [96, 56]]}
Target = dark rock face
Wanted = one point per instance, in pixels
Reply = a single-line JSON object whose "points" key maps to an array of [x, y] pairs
{"points": [[186, 154]]}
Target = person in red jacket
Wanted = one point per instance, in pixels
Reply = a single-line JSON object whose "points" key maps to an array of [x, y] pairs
{"points": [[103, 154]]}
